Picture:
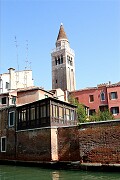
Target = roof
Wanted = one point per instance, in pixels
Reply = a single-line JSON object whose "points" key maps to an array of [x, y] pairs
{"points": [[48, 99], [62, 34], [104, 85], [32, 88]]}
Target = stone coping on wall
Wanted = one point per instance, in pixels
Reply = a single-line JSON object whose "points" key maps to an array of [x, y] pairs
{"points": [[48, 127], [89, 124]]}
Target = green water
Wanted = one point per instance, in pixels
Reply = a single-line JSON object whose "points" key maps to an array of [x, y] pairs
{"points": [[36, 173]]}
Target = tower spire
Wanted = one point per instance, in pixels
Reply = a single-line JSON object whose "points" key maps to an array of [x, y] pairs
{"points": [[62, 34], [63, 68]]}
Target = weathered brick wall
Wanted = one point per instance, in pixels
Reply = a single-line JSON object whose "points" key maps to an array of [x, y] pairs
{"points": [[100, 142], [94, 142], [68, 144], [34, 145], [9, 133]]}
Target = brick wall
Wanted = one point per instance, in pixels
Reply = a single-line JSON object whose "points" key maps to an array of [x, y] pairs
{"points": [[34, 145], [91, 142], [68, 144], [100, 142], [9, 133]]}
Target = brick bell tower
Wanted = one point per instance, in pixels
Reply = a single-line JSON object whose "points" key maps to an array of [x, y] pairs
{"points": [[63, 67]]}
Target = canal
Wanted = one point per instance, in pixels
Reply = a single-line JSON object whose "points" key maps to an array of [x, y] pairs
{"points": [[36, 173]]}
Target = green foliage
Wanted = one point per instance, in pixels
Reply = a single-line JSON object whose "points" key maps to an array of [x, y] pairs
{"points": [[81, 113], [101, 116], [82, 116]]}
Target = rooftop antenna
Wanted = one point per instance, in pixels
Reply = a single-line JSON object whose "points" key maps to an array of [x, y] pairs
{"points": [[17, 72], [17, 52], [28, 64], [26, 61]]}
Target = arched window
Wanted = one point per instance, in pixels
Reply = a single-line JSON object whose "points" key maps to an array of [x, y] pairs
{"points": [[55, 61], [71, 62], [68, 59], [61, 58], [102, 95], [58, 60]]}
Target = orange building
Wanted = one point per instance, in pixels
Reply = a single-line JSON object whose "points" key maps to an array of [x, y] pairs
{"points": [[104, 96]]}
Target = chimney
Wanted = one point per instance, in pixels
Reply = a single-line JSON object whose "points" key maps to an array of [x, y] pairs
{"points": [[109, 82], [11, 78]]}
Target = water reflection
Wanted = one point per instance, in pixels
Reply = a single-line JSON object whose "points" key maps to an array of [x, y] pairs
{"points": [[55, 175], [36, 173]]}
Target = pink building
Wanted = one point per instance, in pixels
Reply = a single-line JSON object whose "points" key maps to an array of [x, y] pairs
{"points": [[104, 96]]}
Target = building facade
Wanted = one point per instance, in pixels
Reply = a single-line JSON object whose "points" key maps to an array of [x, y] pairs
{"points": [[29, 132], [25, 138], [63, 66], [15, 79], [102, 97]]}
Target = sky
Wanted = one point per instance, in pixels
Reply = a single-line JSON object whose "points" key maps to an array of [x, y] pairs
{"points": [[29, 29]]}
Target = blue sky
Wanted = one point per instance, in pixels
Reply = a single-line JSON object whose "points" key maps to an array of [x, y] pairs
{"points": [[92, 27]]}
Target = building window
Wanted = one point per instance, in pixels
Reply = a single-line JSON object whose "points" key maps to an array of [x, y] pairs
{"points": [[61, 59], [58, 60], [115, 110], [32, 113], [43, 111], [60, 112], [102, 96], [91, 98], [56, 81], [13, 100], [55, 61], [67, 114], [23, 115], [113, 95], [38, 111], [71, 63], [7, 85], [4, 100], [91, 111], [55, 111], [3, 144], [11, 118], [72, 115]]}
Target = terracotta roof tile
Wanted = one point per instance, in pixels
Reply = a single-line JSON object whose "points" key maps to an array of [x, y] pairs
{"points": [[62, 34]]}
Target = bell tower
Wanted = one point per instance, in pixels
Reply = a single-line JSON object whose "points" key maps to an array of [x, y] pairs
{"points": [[63, 67]]}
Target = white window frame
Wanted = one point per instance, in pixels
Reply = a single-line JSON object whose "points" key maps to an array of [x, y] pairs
{"points": [[116, 95], [91, 95], [3, 137], [114, 109], [13, 118]]}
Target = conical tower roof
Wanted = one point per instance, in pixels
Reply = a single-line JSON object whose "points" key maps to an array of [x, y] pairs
{"points": [[62, 34]]}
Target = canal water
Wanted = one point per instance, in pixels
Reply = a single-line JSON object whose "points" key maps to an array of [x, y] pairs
{"points": [[36, 173]]}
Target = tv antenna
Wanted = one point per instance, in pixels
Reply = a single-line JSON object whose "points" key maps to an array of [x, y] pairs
{"points": [[28, 64], [16, 45]]}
